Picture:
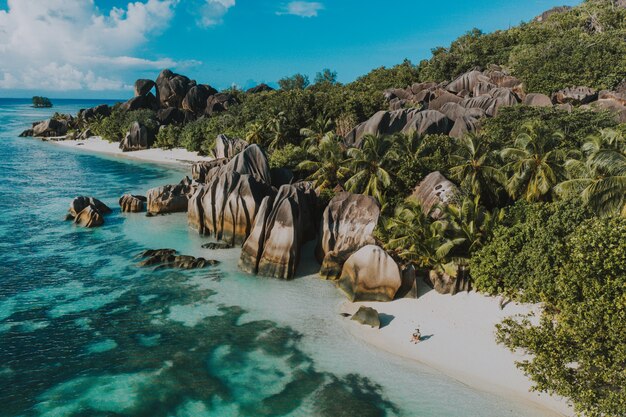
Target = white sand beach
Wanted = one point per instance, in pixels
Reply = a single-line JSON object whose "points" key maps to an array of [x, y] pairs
{"points": [[158, 155], [458, 339]]}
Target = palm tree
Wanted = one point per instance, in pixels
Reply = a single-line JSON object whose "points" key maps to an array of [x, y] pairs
{"points": [[369, 166], [314, 134], [474, 168], [276, 128], [601, 178], [256, 133], [326, 162], [535, 163]]}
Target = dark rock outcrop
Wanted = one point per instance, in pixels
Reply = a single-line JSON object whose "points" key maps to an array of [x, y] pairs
{"points": [[381, 123], [167, 258], [226, 147], [50, 128], [347, 225], [138, 137], [87, 211], [169, 116], [143, 87], [147, 102], [89, 217], [196, 98], [130, 203], [575, 95], [433, 190], [201, 171], [219, 102], [427, 122], [172, 88], [170, 198], [367, 316], [259, 89], [102, 110], [449, 282], [370, 274]]}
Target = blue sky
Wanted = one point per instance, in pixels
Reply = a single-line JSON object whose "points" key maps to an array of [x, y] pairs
{"points": [[97, 48]]}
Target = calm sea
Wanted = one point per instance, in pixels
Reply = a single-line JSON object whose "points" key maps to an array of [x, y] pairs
{"points": [[85, 332]]}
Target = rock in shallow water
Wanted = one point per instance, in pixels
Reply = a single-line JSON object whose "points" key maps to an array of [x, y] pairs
{"points": [[167, 258], [130, 203], [170, 198], [87, 211], [89, 217]]}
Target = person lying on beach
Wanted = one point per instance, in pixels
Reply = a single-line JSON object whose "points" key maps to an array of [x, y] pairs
{"points": [[416, 336]]}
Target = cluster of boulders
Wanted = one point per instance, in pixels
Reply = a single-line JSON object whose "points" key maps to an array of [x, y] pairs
{"points": [[457, 108], [131, 203], [167, 258], [87, 211]]}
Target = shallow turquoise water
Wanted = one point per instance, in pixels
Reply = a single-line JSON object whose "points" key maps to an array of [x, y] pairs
{"points": [[84, 332]]}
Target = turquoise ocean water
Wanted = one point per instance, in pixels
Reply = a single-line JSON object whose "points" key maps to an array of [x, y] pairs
{"points": [[85, 332]]}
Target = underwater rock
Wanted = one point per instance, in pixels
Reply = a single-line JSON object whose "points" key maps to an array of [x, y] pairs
{"points": [[216, 245], [167, 258]]}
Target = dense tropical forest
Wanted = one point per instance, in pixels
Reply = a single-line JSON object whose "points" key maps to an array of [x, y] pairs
{"points": [[540, 215]]}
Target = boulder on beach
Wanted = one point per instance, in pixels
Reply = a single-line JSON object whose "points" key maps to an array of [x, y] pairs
{"points": [[367, 316], [282, 225], [370, 274], [138, 137], [226, 147], [103, 110], [50, 128], [347, 225], [130, 203], [170, 198], [449, 279]]}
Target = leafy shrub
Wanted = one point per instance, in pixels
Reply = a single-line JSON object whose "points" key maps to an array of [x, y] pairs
{"points": [[579, 346], [288, 156], [115, 127], [522, 258], [168, 137]]}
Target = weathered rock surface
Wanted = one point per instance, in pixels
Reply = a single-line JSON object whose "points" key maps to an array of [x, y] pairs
{"points": [[201, 171], [347, 225], [149, 102], [537, 100], [130, 203], [467, 81], [137, 138], [259, 89], [367, 316], [89, 217], [433, 190], [103, 110], [370, 274], [50, 128], [172, 88], [78, 204], [219, 102], [167, 258], [143, 87], [226, 147], [170, 198], [280, 228], [575, 95], [251, 161], [555, 10], [427, 122], [196, 98]]}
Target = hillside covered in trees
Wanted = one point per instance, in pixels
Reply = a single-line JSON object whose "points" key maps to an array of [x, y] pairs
{"points": [[524, 129]]}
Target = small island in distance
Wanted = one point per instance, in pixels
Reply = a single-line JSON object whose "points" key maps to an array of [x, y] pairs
{"points": [[40, 102]]}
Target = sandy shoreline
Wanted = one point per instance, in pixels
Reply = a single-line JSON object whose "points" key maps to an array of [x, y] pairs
{"points": [[178, 156], [460, 341], [460, 330]]}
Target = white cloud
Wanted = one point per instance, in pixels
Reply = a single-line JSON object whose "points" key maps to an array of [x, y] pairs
{"points": [[72, 45], [301, 8], [212, 11]]}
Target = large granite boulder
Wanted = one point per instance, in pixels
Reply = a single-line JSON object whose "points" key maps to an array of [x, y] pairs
{"points": [[467, 81], [172, 88], [381, 123], [251, 161], [555, 10], [486, 103], [138, 137], [443, 97], [427, 122], [202, 171], [537, 100], [575, 96], [219, 102], [103, 110], [89, 217], [614, 106], [196, 98], [370, 274], [169, 116], [50, 128], [613, 95], [226, 147], [130, 203], [147, 102], [280, 229], [433, 190], [449, 279], [347, 225], [261, 88], [464, 125], [170, 198], [143, 87], [79, 203]]}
